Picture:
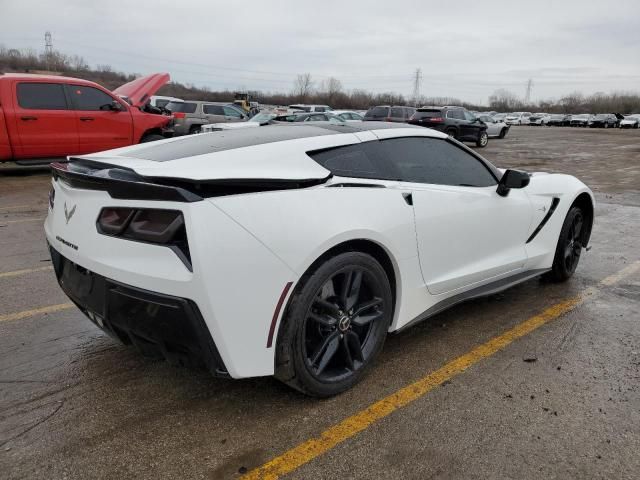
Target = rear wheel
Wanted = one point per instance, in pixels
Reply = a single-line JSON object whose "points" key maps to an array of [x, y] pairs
{"points": [[452, 132], [569, 246], [195, 129], [335, 325], [483, 140]]}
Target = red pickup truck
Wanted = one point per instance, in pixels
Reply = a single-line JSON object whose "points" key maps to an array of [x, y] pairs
{"points": [[46, 117]]}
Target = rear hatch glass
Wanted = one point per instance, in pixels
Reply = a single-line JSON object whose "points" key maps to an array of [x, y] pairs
{"points": [[181, 107], [422, 114]]}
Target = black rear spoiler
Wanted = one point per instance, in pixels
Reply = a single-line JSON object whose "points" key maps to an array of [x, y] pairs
{"points": [[124, 183], [118, 182]]}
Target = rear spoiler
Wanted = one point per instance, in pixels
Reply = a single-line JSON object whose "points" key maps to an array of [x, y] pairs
{"points": [[118, 182], [124, 183]]}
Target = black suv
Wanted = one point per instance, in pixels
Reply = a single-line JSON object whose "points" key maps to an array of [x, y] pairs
{"points": [[456, 122]]}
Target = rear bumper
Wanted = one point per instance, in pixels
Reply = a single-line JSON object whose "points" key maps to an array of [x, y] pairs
{"points": [[157, 324]]}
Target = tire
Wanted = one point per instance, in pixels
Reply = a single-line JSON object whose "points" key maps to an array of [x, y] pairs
{"points": [[503, 133], [152, 137], [195, 129], [483, 140], [606, 125], [316, 351], [569, 246], [452, 132]]}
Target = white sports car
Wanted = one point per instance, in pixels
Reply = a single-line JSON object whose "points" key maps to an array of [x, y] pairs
{"points": [[292, 250]]}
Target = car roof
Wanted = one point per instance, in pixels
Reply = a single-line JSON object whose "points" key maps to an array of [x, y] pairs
{"points": [[268, 152], [46, 78]]}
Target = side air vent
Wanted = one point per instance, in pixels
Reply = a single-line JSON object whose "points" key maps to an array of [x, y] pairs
{"points": [[554, 204]]}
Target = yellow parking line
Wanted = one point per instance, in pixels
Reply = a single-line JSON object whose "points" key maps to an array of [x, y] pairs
{"points": [[23, 220], [351, 426], [24, 271], [8, 317]]}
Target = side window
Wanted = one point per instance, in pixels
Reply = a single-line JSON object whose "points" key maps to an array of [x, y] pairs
{"points": [[397, 112], [435, 161], [320, 109], [349, 161], [212, 110], [469, 116], [456, 113], [42, 96], [89, 98], [232, 112]]}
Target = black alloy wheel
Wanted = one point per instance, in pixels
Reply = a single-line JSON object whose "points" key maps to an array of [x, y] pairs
{"points": [[335, 325], [570, 245]]}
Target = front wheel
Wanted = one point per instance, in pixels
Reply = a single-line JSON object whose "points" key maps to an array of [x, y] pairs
{"points": [[503, 132], [335, 325], [483, 140], [569, 246]]}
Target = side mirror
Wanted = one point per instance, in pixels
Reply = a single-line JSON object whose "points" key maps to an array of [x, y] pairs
{"points": [[512, 179], [115, 106]]}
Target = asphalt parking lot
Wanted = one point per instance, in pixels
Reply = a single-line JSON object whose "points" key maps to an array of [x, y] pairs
{"points": [[542, 381]]}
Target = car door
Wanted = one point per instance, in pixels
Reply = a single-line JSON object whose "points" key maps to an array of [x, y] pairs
{"points": [[45, 123], [99, 126], [466, 233], [213, 113], [232, 115], [471, 126]]}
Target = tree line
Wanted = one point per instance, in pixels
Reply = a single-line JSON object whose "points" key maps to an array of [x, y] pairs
{"points": [[305, 89]]}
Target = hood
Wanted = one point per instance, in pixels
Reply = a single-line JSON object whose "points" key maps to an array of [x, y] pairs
{"points": [[140, 90]]}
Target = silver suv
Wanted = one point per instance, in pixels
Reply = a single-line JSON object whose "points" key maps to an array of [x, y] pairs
{"points": [[189, 116]]}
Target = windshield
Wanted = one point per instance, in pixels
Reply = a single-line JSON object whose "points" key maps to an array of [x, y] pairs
{"points": [[183, 107]]}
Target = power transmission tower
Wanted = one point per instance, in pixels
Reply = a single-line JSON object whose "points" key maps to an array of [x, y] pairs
{"points": [[417, 83], [527, 97], [48, 48]]}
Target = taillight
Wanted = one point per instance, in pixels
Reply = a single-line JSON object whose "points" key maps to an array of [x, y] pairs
{"points": [[179, 115], [159, 227], [436, 119]]}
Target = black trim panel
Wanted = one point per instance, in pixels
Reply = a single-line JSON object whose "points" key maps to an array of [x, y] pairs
{"points": [[157, 324], [552, 208], [482, 291]]}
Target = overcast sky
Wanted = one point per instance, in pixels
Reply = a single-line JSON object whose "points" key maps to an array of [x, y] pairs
{"points": [[466, 49]]}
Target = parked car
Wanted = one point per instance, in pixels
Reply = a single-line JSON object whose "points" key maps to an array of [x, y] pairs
{"points": [[301, 107], [258, 120], [45, 117], [605, 120], [160, 101], [559, 120], [518, 118], [388, 113], [581, 120], [300, 265], [539, 119], [309, 117], [456, 122], [630, 121], [348, 115], [190, 116], [495, 128], [501, 117]]}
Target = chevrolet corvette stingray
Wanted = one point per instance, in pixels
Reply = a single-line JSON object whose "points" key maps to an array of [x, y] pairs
{"points": [[292, 250]]}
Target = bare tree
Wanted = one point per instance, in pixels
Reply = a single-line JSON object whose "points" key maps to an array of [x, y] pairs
{"points": [[302, 86], [504, 100]]}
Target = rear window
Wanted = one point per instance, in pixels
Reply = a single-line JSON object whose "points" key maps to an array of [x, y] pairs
{"points": [[350, 161], [182, 107], [427, 114], [378, 112], [42, 96]]}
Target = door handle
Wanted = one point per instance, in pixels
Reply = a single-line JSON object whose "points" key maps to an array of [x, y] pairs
{"points": [[28, 118], [87, 119]]}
